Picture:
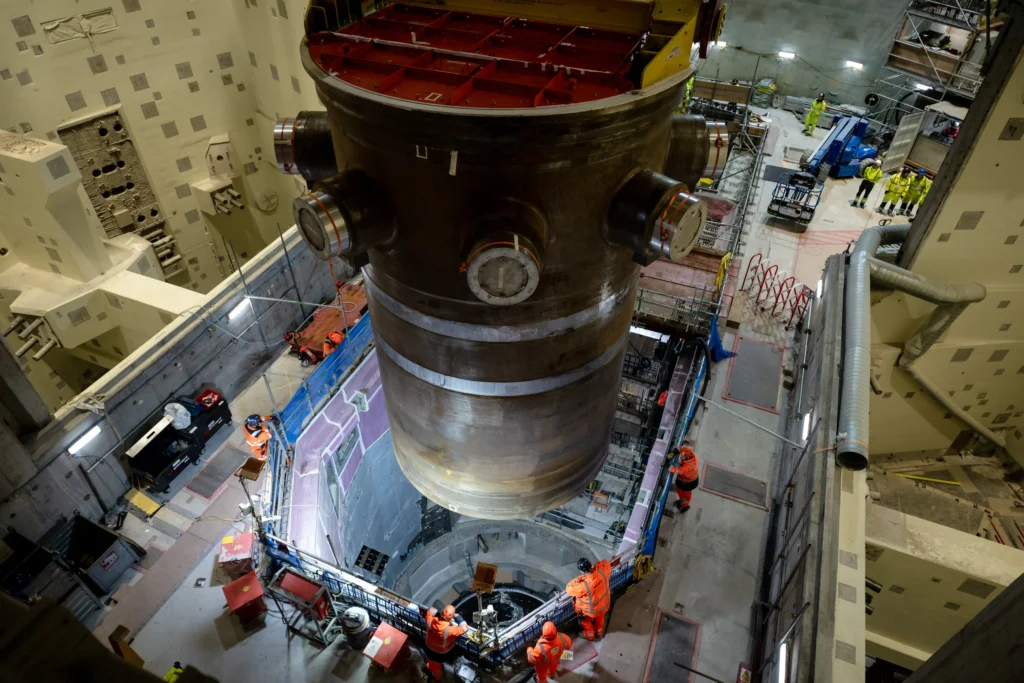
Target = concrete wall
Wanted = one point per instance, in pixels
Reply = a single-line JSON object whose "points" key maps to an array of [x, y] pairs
{"points": [[934, 580], [188, 354], [822, 33], [968, 230]]}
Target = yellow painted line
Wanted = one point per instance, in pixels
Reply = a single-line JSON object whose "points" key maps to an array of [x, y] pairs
{"points": [[937, 481]]}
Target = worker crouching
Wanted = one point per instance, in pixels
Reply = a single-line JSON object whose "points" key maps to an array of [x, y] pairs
{"points": [[592, 593], [547, 653], [257, 435], [332, 342], [442, 633]]}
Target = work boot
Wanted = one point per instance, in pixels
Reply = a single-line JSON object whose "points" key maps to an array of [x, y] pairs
{"points": [[880, 209], [889, 212], [684, 509], [853, 202], [862, 203]]}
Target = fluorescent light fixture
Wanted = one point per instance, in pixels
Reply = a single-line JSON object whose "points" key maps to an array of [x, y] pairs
{"points": [[721, 44], [786, 55], [239, 309], [84, 439], [854, 65], [806, 430], [783, 663], [922, 86], [820, 285]]}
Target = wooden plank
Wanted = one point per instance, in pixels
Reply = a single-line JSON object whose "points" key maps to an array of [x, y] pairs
{"points": [[720, 90]]}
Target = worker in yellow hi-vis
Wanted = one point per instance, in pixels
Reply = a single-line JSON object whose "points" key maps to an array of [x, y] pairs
{"points": [[816, 109], [172, 674], [895, 189]]}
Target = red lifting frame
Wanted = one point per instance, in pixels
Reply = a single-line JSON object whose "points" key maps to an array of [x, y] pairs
{"points": [[782, 292], [473, 60], [767, 280], [755, 263]]}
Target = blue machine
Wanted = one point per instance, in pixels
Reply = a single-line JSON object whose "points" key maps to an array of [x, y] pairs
{"points": [[842, 152]]}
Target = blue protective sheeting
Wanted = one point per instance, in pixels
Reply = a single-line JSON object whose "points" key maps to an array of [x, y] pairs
{"points": [[715, 348], [325, 378]]}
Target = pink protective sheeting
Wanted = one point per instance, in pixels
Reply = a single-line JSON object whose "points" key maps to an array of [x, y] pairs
{"points": [[321, 439], [674, 405]]}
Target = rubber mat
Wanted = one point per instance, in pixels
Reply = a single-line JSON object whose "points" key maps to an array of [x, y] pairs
{"points": [[755, 374], [674, 640], [217, 471], [734, 485], [771, 173]]}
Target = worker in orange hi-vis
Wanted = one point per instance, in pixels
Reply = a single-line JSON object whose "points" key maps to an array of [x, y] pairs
{"points": [[593, 596], [332, 342], [546, 655], [687, 474], [442, 633], [257, 435]]}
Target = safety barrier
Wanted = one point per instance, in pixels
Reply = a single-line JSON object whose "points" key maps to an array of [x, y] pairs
{"points": [[321, 384]]}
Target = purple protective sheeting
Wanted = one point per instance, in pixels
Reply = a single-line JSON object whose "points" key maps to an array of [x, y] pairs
{"points": [[669, 417], [349, 473], [323, 437]]}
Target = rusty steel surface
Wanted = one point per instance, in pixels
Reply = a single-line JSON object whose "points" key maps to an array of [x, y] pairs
{"points": [[500, 406]]}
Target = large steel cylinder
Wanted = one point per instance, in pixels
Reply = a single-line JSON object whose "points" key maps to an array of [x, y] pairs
{"points": [[502, 287]]}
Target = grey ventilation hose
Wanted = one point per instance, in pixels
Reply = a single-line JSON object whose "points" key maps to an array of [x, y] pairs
{"points": [[950, 300]]}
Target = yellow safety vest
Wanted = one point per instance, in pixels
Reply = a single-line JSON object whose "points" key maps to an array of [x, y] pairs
{"points": [[873, 173]]}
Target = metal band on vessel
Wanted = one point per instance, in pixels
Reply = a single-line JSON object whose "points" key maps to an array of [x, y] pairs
{"points": [[490, 333], [501, 389]]}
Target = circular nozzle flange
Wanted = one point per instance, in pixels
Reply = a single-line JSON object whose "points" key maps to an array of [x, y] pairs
{"points": [[503, 269], [679, 226], [322, 225]]}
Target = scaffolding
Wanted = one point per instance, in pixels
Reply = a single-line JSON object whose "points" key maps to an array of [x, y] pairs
{"points": [[921, 71]]}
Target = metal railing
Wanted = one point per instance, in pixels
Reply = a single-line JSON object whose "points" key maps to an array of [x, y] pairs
{"points": [[325, 380], [690, 314], [349, 590], [717, 238]]}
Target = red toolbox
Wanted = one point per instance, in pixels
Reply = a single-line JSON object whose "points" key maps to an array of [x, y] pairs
{"points": [[245, 597], [388, 647]]}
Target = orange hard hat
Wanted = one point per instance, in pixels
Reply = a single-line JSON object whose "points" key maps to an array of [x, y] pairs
{"points": [[549, 631], [448, 613], [335, 337]]}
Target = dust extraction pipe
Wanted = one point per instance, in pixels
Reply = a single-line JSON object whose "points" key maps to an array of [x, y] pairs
{"points": [[950, 300]]}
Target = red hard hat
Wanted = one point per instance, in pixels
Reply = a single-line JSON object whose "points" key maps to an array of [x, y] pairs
{"points": [[549, 631], [448, 613]]}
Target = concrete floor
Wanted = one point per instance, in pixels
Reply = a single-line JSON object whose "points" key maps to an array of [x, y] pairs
{"points": [[708, 560]]}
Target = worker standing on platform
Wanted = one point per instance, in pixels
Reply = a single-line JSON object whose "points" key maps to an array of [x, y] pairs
{"points": [[547, 654], [593, 596], [872, 174], [916, 192], [442, 634], [332, 342], [816, 109], [895, 188], [257, 435], [687, 475]]}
